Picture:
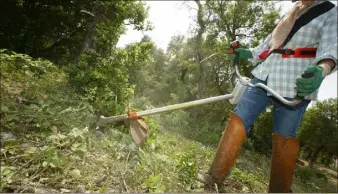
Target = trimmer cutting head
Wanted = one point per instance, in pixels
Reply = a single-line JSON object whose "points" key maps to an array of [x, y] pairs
{"points": [[138, 130], [138, 127]]}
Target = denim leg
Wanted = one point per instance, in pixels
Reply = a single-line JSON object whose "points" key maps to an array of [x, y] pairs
{"points": [[287, 119], [251, 104]]}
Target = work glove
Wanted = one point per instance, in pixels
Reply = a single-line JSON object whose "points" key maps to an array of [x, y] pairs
{"points": [[306, 86], [244, 54]]}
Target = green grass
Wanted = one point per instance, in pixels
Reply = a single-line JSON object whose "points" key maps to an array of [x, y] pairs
{"points": [[168, 162]]}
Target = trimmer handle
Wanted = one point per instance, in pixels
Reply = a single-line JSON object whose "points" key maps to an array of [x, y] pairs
{"points": [[233, 45], [305, 75]]}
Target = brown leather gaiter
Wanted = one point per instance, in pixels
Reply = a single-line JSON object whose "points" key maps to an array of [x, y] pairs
{"points": [[283, 163], [228, 149]]}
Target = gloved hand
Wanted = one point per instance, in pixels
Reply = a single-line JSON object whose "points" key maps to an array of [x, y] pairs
{"points": [[306, 86], [244, 54]]}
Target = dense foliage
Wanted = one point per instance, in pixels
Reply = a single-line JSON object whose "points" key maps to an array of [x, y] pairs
{"points": [[318, 133], [62, 30]]}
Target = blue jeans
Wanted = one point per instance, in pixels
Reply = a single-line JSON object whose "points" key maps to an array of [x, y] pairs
{"points": [[286, 119]]}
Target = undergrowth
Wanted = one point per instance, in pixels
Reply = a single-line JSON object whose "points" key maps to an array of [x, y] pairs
{"points": [[46, 145]]}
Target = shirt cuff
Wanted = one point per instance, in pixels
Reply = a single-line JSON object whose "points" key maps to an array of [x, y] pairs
{"points": [[326, 56], [255, 59]]}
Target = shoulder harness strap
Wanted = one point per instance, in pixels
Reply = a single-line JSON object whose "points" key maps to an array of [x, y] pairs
{"points": [[307, 17]]}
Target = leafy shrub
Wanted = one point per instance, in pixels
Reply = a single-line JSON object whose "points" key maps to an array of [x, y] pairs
{"points": [[187, 168], [304, 174], [35, 96], [154, 184], [6, 175], [38, 106], [104, 81]]}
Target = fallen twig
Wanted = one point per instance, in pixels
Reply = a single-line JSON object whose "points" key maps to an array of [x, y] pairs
{"points": [[216, 188], [36, 174], [23, 166], [125, 186], [200, 178], [15, 157], [126, 167]]}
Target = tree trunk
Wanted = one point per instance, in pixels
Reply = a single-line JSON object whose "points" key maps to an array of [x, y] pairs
{"points": [[328, 160], [97, 11], [200, 55], [308, 154]]}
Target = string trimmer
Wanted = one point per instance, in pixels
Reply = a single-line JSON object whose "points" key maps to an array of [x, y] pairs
{"points": [[138, 127]]}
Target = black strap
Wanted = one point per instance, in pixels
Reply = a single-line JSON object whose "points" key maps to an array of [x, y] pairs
{"points": [[283, 51], [308, 52], [292, 52], [307, 17]]}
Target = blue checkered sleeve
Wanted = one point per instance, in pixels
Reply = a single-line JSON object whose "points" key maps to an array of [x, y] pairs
{"points": [[327, 48], [259, 49]]}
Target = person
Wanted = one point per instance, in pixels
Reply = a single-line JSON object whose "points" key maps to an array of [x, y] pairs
{"points": [[282, 74]]}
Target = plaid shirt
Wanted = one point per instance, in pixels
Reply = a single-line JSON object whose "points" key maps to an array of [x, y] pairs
{"points": [[281, 73]]}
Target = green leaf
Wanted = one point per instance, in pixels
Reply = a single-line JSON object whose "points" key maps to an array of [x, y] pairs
{"points": [[31, 150], [75, 173], [76, 133], [9, 180], [61, 136], [153, 146], [4, 108], [52, 165], [44, 164], [75, 146], [29, 73], [34, 106]]}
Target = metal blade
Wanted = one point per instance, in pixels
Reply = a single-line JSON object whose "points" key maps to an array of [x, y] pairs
{"points": [[138, 130]]}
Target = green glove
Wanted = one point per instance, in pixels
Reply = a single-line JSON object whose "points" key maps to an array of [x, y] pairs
{"points": [[244, 54], [306, 86]]}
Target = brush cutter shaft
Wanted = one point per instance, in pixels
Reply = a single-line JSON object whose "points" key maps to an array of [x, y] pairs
{"points": [[184, 105], [113, 119], [169, 108]]}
